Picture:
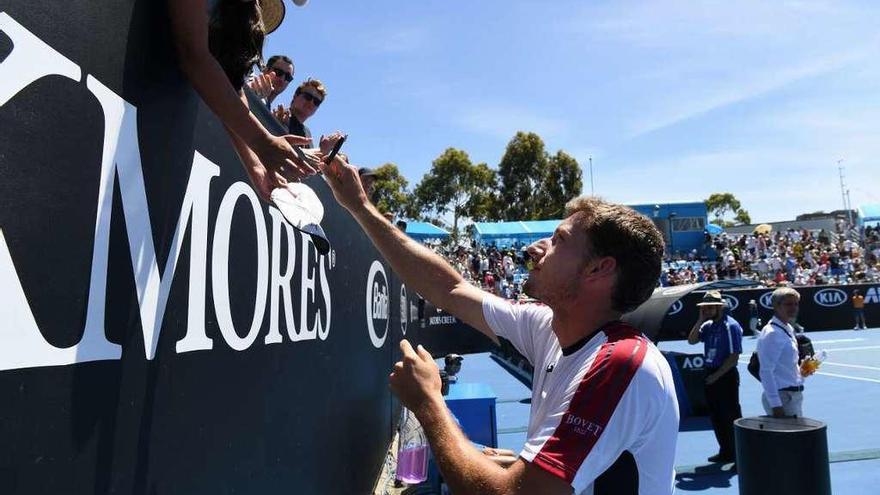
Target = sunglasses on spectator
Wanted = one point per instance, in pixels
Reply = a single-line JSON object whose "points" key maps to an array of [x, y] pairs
{"points": [[287, 76], [312, 98]]}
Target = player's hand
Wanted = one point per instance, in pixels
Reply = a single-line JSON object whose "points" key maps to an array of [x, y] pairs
{"points": [[416, 379], [345, 183]]}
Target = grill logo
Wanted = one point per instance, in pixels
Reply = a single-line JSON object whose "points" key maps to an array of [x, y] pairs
{"points": [[830, 297], [377, 304], [675, 308]]}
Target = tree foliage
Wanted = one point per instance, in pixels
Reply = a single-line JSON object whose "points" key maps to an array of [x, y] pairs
{"points": [[389, 189], [742, 217], [455, 186], [720, 205], [521, 172], [562, 182]]}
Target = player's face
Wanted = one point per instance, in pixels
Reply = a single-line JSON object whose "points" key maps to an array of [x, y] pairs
{"points": [[558, 263]]}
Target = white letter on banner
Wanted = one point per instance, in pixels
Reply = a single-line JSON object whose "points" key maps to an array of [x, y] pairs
{"points": [[30, 59], [280, 281], [21, 343], [324, 329], [307, 287], [220, 266], [122, 156]]}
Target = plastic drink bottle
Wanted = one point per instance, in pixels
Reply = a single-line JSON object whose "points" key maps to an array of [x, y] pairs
{"points": [[412, 455]]}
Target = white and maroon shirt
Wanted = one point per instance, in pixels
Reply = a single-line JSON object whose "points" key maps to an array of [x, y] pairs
{"points": [[604, 413]]}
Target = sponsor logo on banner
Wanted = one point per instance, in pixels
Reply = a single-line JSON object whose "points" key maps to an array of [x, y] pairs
{"points": [[872, 296], [766, 300], [22, 344], [404, 313], [675, 308], [732, 302], [377, 304], [693, 363], [830, 297], [442, 320]]}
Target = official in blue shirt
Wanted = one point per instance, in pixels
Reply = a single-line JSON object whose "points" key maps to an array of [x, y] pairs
{"points": [[722, 339]]}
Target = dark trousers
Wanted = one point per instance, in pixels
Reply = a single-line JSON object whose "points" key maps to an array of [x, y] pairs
{"points": [[722, 398]]}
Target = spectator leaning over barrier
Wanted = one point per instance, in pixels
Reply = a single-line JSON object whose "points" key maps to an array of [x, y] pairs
{"points": [[273, 80], [858, 302], [604, 416], [306, 100], [368, 178], [778, 355], [217, 46], [722, 340]]}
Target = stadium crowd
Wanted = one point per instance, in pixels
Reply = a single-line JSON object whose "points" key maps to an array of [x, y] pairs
{"points": [[791, 257], [787, 258]]}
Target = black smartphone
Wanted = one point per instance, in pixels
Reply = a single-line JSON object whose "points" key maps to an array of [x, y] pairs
{"points": [[336, 148]]}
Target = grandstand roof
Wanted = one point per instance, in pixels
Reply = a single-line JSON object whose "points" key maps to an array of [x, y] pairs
{"points": [[424, 230], [870, 213], [526, 229]]}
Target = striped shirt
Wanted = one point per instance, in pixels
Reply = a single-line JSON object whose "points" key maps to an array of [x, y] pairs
{"points": [[604, 414]]}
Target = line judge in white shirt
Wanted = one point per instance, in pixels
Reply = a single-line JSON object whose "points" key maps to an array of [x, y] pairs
{"points": [[778, 355], [604, 416]]}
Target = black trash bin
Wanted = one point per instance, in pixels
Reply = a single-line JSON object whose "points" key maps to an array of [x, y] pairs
{"points": [[782, 456]]}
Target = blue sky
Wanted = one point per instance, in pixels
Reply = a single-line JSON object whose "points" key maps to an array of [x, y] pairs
{"points": [[673, 99]]}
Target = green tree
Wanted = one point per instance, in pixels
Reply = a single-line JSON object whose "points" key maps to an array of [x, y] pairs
{"points": [[521, 172], [455, 185], [389, 189], [720, 205], [562, 182], [742, 217]]}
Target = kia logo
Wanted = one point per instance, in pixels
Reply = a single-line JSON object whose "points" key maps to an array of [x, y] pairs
{"points": [[732, 302], [767, 300], [830, 297], [675, 308], [377, 303]]}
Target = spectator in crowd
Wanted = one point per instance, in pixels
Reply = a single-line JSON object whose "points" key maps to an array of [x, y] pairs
{"points": [[778, 354], [722, 344], [609, 422], [273, 80], [216, 52], [306, 100], [368, 178], [858, 302]]}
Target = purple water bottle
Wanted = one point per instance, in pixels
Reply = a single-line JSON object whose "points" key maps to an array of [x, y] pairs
{"points": [[412, 454]]}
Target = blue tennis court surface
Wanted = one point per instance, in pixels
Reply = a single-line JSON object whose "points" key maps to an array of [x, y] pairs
{"points": [[844, 393]]}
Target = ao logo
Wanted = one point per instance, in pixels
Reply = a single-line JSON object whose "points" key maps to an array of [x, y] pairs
{"points": [[767, 300], [695, 362], [403, 309], [675, 308], [377, 303], [872, 296], [830, 297], [732, 302]]}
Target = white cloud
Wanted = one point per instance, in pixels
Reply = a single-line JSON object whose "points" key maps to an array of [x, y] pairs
{"points": [[398, 40], [503, 121]]}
